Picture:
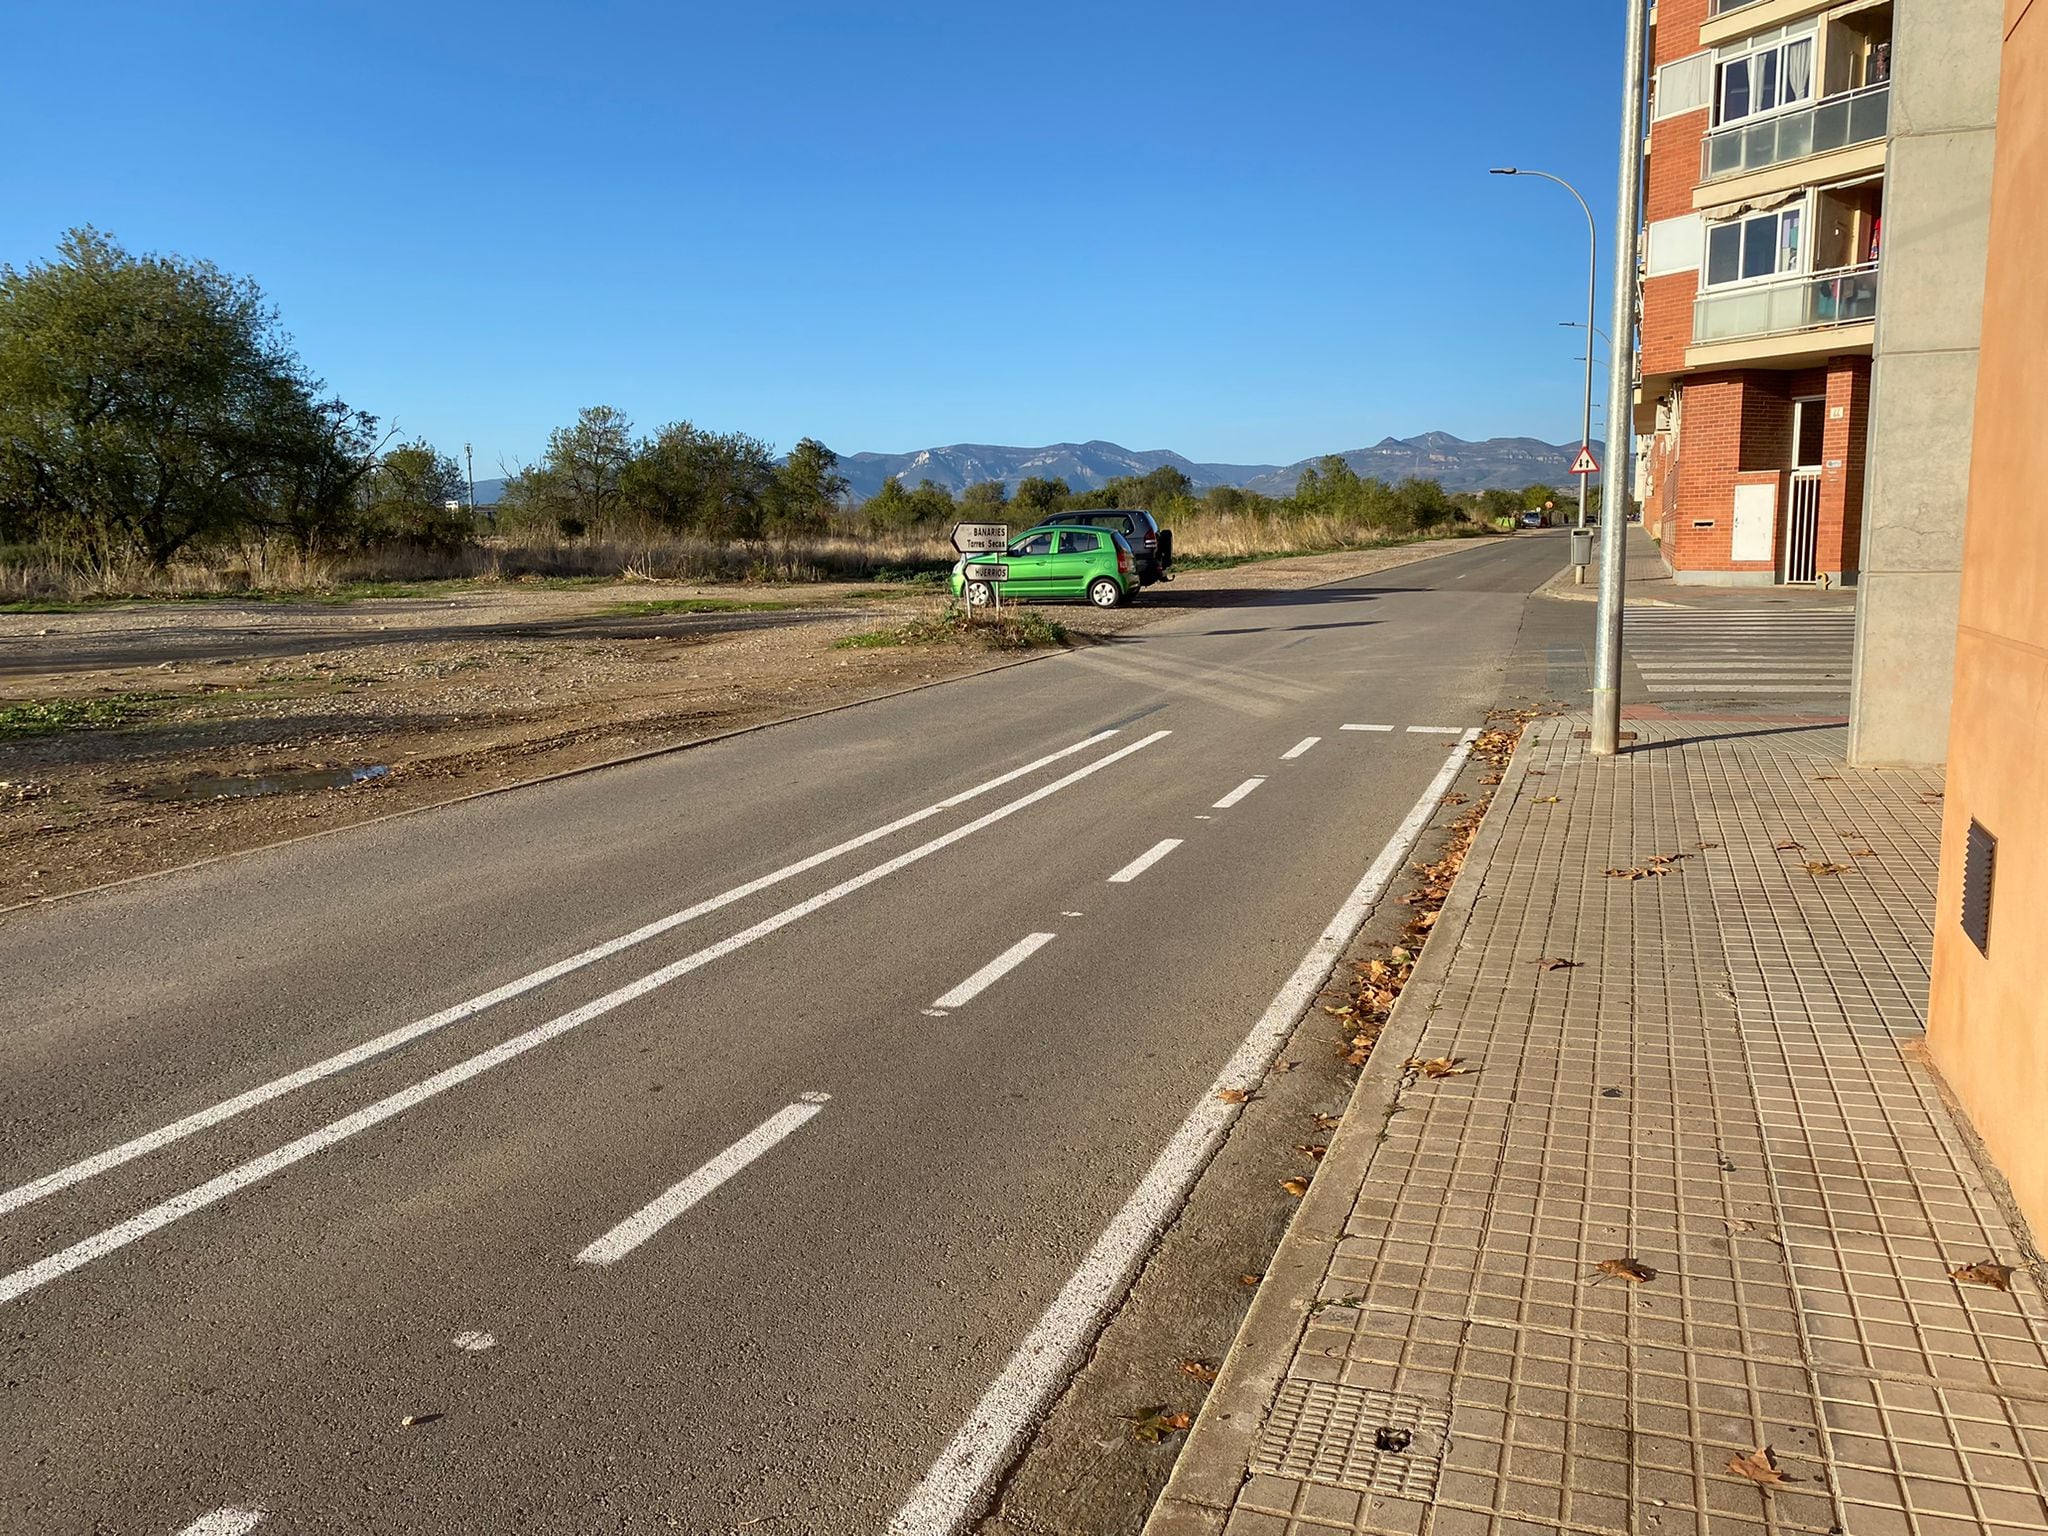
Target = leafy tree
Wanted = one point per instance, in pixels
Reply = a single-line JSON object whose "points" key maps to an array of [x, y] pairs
{"points": [[576, 483], [140, 397], [406, 498], [310, 459], [1534, 496], [985, 500], [808, 486], [890, 508], [1036, 496], [932, 504]]}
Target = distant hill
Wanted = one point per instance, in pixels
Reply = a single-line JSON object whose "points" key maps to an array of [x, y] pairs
{"points": [[1499, 463]]}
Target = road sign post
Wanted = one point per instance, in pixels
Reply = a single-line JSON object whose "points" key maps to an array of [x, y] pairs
{"points": [[982, 539]]}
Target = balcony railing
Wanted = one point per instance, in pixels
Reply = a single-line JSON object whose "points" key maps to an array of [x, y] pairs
{"points": [[1805, 301], [1853, 117], [1722, 7]]}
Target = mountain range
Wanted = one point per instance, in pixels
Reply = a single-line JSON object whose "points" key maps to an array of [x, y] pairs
{"points": [[1498, 463]]}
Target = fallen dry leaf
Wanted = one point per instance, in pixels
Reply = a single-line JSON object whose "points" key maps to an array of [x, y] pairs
{"points": [[1439, 1066], [1285, 1066], [1296, 1186], [1823, 867], [1249, 1280], [1552, 963], [1632, 1270], [1703, 847], [1547, 800], [1788, 846], [1990, 1272], [1151, 1425], [1201, 1370], [1862, 853], [1327, 1122], [1825, 778], [414, 1420], [1314, 1149], [1627, 874], [1760, 1466], [1234, 1095]]}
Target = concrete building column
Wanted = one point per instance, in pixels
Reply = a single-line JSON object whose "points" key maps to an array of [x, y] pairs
{"points": [[1930, 317]]}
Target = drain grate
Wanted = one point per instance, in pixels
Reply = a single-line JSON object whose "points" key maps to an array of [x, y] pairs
{"points": [[1353, 1437]]}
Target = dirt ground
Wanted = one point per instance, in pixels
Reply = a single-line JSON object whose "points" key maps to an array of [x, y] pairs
{"points": [[140, 736]]}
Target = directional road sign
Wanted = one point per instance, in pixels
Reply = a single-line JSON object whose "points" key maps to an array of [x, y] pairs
{"points": [[984, 570], [981, 538]]}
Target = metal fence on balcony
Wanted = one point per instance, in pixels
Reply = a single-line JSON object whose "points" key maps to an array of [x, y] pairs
{"points": [[1853, 117], [1797, 303]]}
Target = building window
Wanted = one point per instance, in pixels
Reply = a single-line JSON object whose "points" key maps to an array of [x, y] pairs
{"points": [[1762, 245], [1756, 78]]}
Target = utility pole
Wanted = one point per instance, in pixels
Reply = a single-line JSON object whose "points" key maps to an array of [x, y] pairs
{"points": [[469, 460], [1621, 388], [1592, 288]]}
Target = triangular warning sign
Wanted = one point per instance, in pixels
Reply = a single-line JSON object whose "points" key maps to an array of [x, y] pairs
{"points": [[1583, 464]]}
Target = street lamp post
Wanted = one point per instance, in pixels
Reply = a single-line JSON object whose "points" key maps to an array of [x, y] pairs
{"points": [[469, 459], [1592, 287]]}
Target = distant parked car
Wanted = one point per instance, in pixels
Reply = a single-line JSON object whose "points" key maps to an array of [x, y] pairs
{"points": [[1093, 565], [1152, 544], [1532, 519]]}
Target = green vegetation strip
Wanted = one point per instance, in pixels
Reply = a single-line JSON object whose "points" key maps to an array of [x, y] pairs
{"points": [[1022, 630], [43, 716]]}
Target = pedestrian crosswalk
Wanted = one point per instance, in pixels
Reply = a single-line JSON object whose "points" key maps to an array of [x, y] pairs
{"points": [[1689, 657]]}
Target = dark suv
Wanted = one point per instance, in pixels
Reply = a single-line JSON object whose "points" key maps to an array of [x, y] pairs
{"points": [[1152, 544]]}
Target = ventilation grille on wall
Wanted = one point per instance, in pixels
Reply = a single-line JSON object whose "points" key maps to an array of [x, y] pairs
{"points": [[1980, 862]]}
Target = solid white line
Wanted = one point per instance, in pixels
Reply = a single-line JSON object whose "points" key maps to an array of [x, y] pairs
{"points": [[1365, 727], [959, 1483], [224, 1522], [1763, 688], [679, 1197], [254, 1171], [1145, 861], [1437, 730], [227, 1109], [1299, 749], [995, 970], [1237, 794]]}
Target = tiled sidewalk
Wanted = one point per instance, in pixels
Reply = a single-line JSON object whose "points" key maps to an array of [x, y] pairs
{"points": [[1724, 1087]]}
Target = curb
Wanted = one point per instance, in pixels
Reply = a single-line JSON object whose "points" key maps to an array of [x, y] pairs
{"points": [[1214, 1463]]}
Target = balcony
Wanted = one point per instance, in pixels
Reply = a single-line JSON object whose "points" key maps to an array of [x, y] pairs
{"points": [[1723, 7], [1803, 302], [1835, 122]]}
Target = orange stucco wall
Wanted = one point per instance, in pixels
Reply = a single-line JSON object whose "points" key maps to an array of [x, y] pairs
{"points": [[1988, 1025]]}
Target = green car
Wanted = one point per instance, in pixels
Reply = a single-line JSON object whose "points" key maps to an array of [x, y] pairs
{"points": [[1093, 565]]}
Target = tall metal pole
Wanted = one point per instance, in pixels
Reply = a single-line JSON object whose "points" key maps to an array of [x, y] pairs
{"points": [[1592, 287], [469, 459], [1621, 388]]}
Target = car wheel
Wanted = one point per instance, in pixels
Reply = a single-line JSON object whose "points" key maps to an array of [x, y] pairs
{"points": [[979, 594], [1104, 593]]}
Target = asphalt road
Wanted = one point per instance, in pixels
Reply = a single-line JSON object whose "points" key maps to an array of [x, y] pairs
{"points": [[734, 1224]]}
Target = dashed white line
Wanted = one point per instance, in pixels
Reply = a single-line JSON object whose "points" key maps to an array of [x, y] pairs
{"points": [[226, 1109], [1436, 730], [959, 1483], [680, 1196], [1237, 794], [995, 970], [1365, 727], [225, 1522], [1299, 749], [1145, 861], [475, 1340], [84, 1251]]}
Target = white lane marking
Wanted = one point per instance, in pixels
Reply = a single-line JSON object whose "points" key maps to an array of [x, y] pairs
{"points": [[1205, 817], [959, 1483], [254, 1171], [995, 970], [680, 1196], [1436, 730], [1070, 914], [933, 1013], [227, 1109], [1762, 687], [475, 1340], [224, 1522], [1237, 794], [1145, 861], [1365, 727], [1299, 749]]}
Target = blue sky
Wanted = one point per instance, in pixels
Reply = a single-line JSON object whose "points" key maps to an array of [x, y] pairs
{"points": [[1247, 232]]}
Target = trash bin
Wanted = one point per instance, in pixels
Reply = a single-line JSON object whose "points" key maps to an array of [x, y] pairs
{"points": [[1582, 546]]}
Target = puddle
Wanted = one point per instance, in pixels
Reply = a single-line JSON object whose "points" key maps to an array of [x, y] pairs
{"points": [[240, 786]]}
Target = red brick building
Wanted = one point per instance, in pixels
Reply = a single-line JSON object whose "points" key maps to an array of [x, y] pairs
{"points": [[1764, 204]]}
